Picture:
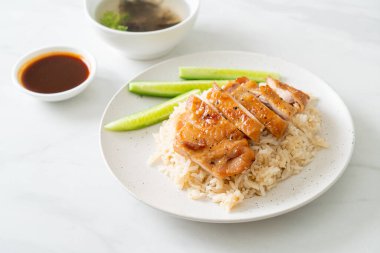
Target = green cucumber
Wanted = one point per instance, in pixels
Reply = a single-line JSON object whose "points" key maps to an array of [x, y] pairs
{"points": [[196, 73], [170, 89], [149, 116]]}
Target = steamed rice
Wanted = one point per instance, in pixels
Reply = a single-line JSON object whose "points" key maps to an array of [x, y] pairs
{"points": [[275, 160]]}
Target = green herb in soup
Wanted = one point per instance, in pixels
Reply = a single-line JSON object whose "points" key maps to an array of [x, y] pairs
{"points": [[136, 15], [114, 20]]}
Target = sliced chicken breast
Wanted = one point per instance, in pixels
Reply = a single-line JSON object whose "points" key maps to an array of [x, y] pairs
{"points": [[270, 98], [208, 139], [235, 113], [289, 94], [274, 123]]}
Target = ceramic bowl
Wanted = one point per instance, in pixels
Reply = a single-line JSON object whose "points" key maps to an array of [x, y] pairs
{"points": [[146, 45], [59, 96]]}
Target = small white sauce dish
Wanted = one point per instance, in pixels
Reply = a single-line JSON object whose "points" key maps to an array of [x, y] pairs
{"points": [[147, 45], [86, 57]]}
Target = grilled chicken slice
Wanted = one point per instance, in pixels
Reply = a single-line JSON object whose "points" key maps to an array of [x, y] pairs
{"points": [[248, 84], [289, 94], [235, 113], [270, 98], [208, 139], [274, 123]]}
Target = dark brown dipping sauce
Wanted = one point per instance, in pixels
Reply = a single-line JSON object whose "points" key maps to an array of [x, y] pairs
{"points": [[54, 73]]}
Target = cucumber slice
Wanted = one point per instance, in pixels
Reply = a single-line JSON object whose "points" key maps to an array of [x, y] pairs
{"points": [[195, 73], [170, 89], [150, 116]]}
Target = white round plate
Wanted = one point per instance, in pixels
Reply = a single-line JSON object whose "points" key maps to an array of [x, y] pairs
{"points": [[127, 153]]}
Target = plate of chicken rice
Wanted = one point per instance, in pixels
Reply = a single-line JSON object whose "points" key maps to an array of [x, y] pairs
{"points": [[237, 152]]}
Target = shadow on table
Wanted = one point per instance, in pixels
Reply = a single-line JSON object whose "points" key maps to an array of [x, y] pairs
{"points": [[90, 103], [206, 40], [333, 217]]}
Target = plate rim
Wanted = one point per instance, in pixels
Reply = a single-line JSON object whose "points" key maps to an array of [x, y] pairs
{"points": [[230, 220]]}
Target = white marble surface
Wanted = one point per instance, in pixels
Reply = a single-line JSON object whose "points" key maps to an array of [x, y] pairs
{"points": [[57, 196]]}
